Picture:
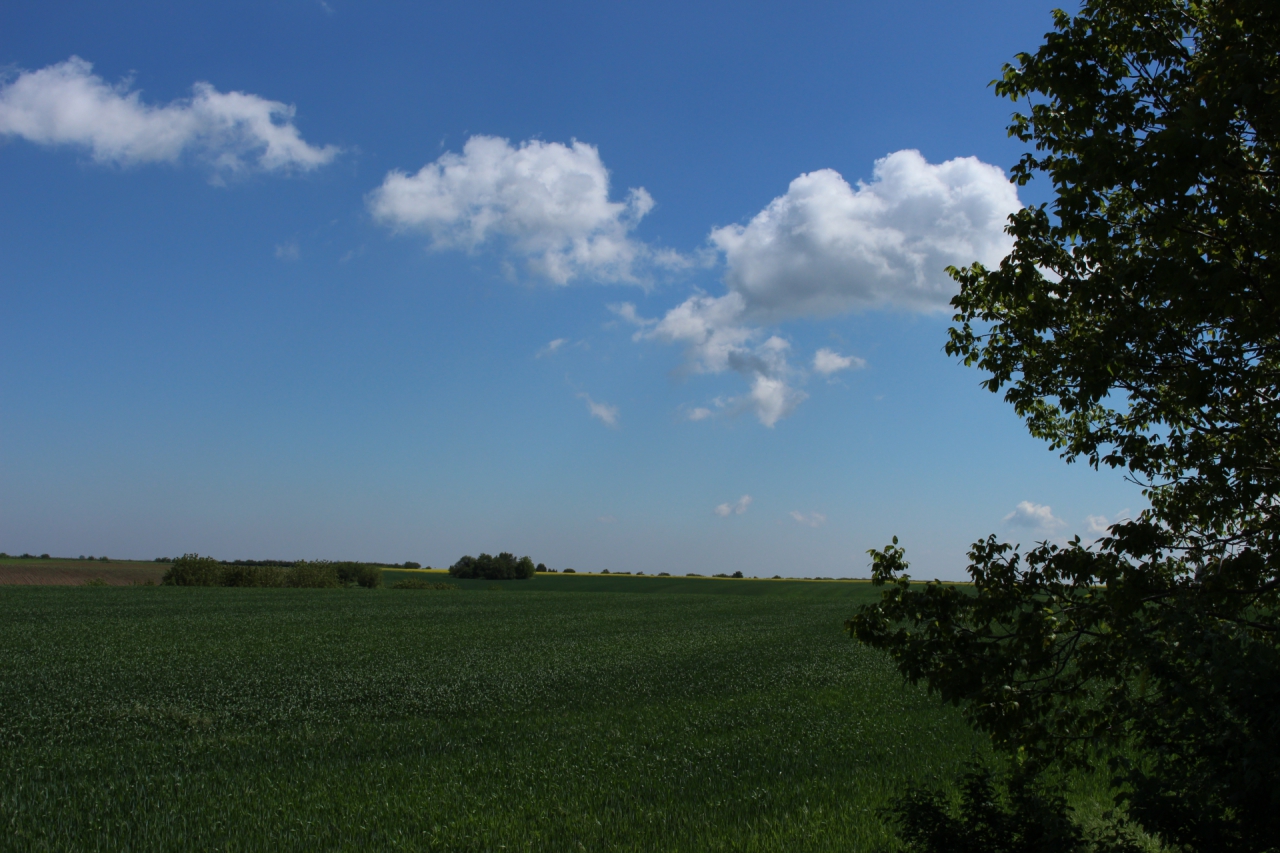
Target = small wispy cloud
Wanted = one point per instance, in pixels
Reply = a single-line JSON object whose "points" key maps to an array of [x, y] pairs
{"points": [[812, 519], [607, 519], [738, 507], [1099, 525], [551, 347], [1034, 516], [288, 251], [827, 362], [700, 413], [603, 412]]}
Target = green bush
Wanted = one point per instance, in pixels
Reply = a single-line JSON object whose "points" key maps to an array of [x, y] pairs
{"points": [[569, 571], [317, 575], [193, 570], [260, 576]]}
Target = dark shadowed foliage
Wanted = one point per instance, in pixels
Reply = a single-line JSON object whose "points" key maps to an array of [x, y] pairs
{"points": [[503, 567]]}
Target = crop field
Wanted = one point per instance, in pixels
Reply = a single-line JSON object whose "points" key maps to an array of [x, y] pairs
{"points": [[561, 713], [14, 570]]}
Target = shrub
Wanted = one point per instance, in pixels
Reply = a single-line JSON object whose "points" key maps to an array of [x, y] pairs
{"points": [[604, 571], [541, 567], [103, 560], [242, 575], [569, 571], [694, 575], [44, 556], [193, 570], [664, 574], [736, 575], [409, 564], [503, 567], [317, 575]]}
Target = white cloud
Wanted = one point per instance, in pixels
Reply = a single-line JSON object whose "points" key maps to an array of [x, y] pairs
{"points": [[827, 362], [606, 414], [551, 347], [67, 104], [826, 248], [288, 251], [813, 519], [607, 519], [544, 201], [716, 340], [738, 507], [1035, 516], [1099, 525], [701, 413]]}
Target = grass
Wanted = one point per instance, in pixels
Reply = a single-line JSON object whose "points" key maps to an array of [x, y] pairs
{"points": [[650, 714]]}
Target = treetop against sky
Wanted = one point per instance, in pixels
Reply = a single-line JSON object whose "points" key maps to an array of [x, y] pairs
{"points": [[620, 286]]}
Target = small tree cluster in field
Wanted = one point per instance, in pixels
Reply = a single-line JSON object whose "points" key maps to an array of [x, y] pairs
{"points": [[194, 570], [570, 571], [503, 567]]}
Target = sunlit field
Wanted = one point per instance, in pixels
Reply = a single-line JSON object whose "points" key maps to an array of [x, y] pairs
{"points": [[561, 713]]}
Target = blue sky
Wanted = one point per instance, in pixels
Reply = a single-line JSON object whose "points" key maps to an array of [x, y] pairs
{"points": [[651, 287]]}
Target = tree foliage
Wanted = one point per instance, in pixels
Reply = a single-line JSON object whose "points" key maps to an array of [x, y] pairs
{"points": [[503, 567], [1135, 325]]}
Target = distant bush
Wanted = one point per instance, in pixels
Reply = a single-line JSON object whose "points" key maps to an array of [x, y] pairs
{"points": [[569, 571], [193, 570], [44, 556], [503, 567], [736, 575], [4, 556], [158, 559], [604, 571], [664, 574], [694, 575], [541, 567], [720, 575], [317, 575], [240, 575], [409, 564], [103, 560], [419, 583]]}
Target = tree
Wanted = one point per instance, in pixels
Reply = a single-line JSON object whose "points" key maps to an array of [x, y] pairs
{"points": [[1135, 325], [505, 566]]}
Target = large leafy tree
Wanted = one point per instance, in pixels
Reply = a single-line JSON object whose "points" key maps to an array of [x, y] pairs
{"points": [[1136, 325]]}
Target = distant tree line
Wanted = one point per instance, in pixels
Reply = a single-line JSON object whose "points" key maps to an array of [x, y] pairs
{"points": [[194, 570], [503, 567]]}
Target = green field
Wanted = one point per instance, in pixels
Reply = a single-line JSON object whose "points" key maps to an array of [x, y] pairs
{"points": [[561, 713]]}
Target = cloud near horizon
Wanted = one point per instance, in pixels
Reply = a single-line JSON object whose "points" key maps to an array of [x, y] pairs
{"points": [[544, 202], [67, 104]]}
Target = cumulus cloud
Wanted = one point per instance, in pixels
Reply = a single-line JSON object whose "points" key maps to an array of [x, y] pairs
{"points": [[738, 507], [1034, 516], [544, 201], [288, 251], [812, 519], [603, 412], [551, 347], [827, 248], [716, 340], [827, 362], [67, 104]]}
